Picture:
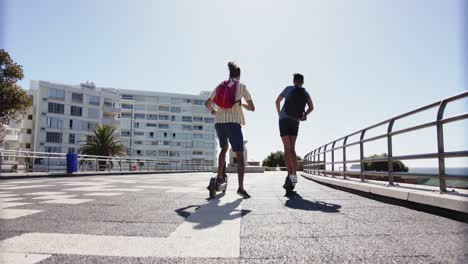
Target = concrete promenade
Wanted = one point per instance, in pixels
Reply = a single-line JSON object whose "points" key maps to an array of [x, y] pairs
{"points": [[165, 218]]}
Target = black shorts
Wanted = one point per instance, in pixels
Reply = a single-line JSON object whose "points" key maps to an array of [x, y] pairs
{"points": [[231, 132], [288, 127]]}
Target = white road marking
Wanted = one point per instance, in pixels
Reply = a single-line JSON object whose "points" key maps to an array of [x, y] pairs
{"points": [[24, 187], [68, 201], [21, 258], [8, 205], [103, 194], [16, 213], [212, 231], [4, 195], [124, 190], [44, 193], [91, 188], [5, 200], [85, 184], [53, 197]]}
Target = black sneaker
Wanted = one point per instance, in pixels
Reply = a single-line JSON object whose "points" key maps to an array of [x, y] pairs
{"points": [[243, 193]]}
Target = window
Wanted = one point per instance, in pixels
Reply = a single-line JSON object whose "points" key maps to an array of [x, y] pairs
{"points": [[152, 99], [198, 102], [71, 139], [92, 125], [197, 136], [138, 142], [93, 113], [125, 133], [53, 149], [197, 153], [209, 120], [127, 97], [139, 98], [55, 108], [56, 93], [54, 137], [186, 127], [94, 100], [186, 119], [77, 97], [127, 106], [164, 108], [151, 134], [151, 125], [152, 117], [197, 127], [76, 110], [176, 101], [28, 145], [28, 131], [163, 117], [139, 116], [139, 133], [137, 125], [126, 115], [139, 107], [163, 126], [197, 119], [163, 153], [29, 117], [165, 100], [175, 109], [71, 150], [54, 122], [152, 108]]}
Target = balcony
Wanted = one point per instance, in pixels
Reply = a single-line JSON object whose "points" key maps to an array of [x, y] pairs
{"points": [[111, 122], [111, 109]]}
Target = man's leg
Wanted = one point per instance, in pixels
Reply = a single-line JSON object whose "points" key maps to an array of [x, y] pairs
{"points": [[222, 161], [293, 156], [286, 144], [240, 168]]}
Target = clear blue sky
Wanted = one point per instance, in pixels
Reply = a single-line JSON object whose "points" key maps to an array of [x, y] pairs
{"points": [[363, 61]]}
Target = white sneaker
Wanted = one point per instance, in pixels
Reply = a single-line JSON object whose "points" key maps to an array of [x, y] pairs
{"points": [[293, 178]]}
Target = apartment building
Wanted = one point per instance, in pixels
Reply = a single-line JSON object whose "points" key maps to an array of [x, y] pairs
{"points": [[159, 125]]}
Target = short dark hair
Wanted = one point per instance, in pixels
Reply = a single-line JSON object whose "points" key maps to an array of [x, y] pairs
{"points": [[234, 70], [298, 77]]}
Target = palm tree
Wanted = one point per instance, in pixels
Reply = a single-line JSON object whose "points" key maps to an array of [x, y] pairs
{"points": [[104, 142]]}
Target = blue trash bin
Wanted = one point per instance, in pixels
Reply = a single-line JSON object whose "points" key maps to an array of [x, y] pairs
{"points": [[72, 162]]}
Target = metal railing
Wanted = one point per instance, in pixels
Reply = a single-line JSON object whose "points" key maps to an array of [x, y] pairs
{"points": [[20, 162], [316, 161]]}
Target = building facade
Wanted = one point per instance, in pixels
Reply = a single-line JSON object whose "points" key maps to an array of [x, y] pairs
{"points": [[154, 125]]}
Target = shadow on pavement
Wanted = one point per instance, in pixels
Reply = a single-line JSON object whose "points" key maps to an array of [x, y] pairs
{"points": [[299, 203], [212, 213]]}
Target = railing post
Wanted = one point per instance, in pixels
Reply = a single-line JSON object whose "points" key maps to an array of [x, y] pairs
{"points": [[333, 159], [344, 157], [390, 153], [1, 160], [318, 160], [440, 146], [48, 162], [361, 153], [325, 160], [315, 162], [96, 164]]}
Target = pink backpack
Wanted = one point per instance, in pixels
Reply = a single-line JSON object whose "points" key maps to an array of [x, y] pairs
{"points": [[226, 94]]}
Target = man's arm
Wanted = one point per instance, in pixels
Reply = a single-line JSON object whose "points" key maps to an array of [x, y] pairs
{"points": [[209, 106], [246, 95], [310, 106], [249, 106], [278, 102]]}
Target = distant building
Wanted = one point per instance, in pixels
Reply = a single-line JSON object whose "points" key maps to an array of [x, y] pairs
{"points": [[155, 125]]}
